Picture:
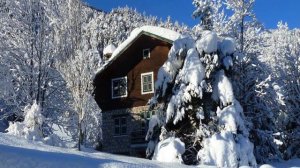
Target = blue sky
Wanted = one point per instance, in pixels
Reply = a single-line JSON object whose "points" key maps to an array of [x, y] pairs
{"points": [[268, 12]]}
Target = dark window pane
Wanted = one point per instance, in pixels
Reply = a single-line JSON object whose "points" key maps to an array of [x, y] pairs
{"points": [[146, 53], [149, 87], [124, 130], [119, 87], [117, 130], [123, 121], [149, 78], [116, 92], [117, 121]]}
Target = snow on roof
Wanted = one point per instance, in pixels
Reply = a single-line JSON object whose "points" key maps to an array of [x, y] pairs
{"points": [[109, 49], [158, 32]]}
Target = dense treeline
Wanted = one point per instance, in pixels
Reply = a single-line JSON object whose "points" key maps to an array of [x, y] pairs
{"points": [[44, 46], [44, 49]]}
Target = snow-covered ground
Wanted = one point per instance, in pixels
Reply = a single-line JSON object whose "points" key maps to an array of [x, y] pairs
{"points": [[293, 163], [20, 153]]}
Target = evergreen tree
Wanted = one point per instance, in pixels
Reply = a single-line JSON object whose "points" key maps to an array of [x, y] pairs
{"points": [[205, 11], [194, 98]]}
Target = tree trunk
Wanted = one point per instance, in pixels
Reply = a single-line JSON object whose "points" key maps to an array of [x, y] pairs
{"points": [[79, 135]]}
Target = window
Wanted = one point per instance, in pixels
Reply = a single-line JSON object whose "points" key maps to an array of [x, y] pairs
{"points": [[120, 126], [147, 83], [146, 53], [119, 87]]}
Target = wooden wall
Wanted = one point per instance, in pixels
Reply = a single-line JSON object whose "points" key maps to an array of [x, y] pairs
{"points": [[131, 64]]}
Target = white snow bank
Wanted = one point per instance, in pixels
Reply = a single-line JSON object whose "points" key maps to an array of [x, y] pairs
{"points": [[30, 128], [169, 150], [109, 49], [20, 153], [222, 150], [208, 43], [293, 163]]}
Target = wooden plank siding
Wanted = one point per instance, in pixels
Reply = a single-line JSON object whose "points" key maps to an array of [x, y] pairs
{"points": [[131, 64]]}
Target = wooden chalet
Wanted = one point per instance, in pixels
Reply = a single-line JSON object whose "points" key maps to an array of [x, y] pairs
{"points": [[125, 84]]}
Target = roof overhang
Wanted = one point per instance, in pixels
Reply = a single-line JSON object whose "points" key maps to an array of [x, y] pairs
{"points": [[133, 37]]}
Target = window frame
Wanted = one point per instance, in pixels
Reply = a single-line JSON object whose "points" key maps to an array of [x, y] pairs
{"points": [[142, 82], [120, 126], [112, 87], [149, 53]]}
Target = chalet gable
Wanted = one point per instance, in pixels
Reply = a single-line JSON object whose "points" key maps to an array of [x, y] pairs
{"points": [[160, 33], [127, 79]]}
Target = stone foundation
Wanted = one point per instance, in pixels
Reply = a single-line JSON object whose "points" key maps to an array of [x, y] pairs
{"points": [[132, 142]]}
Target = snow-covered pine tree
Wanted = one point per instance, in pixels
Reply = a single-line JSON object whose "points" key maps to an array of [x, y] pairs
{"points": [[195, 101], [205, 11]]}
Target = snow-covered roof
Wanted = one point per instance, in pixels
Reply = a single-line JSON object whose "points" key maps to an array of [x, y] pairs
{"points": [[157, 32], [109, 49]]}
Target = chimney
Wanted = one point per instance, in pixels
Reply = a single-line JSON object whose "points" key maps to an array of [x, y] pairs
{"points": [[108, 51]]}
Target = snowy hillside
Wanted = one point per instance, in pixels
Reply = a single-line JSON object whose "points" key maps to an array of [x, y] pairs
{"points": [[20, 153], [227, 95], [16, 152]]}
